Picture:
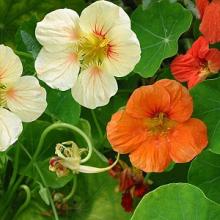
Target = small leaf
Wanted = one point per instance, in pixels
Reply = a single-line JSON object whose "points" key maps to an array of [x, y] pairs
{"points": [[158, 29], [44, 194]]}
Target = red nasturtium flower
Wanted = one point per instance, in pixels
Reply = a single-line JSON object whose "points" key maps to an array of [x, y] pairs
{"points": [[210, 16], [197, 64], [131, 183], [155, 128]]}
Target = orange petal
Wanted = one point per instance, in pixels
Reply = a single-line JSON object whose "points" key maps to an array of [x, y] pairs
{"points": [[181, 105], [152, 155], [147, 101], [125, 133], [201, 5], [213, 58], [210, 25], [188, 140]]}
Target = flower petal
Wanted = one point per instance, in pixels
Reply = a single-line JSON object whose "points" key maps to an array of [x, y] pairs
{"points": [[58, 70], [213, 58], [94, 88], [101, 16], [125, 133], [199, 48], [123, 53], [147, 101], [152, 155], [183, 67], [201, 5], [187, 140], [10, 66], [27, 99], [210, 25], [58, 29], [181, 104], [10, 128]]}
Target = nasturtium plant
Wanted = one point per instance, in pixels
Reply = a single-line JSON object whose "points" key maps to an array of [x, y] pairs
{"points": [[206, 107], [158, 27], [109, 109], [176, 201], [204, 173]]}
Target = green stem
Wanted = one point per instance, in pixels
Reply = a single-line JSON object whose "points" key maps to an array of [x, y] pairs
{"points": [[15, 168], [26, 202], [44, 183], [147, 177], [70, 195], [98, 127], [11, 191], [23, 54], [49, 194], [63, 125]]}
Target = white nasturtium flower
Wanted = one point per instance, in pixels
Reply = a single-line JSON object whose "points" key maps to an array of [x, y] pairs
{"points": [[21, 98], [86, 53]]}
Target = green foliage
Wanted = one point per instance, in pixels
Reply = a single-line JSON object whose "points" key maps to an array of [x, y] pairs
{"points": [[204, 172], [176, 201], [206, 98], [158, 28]]}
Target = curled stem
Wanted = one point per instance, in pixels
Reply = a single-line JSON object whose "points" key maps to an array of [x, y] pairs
{"points": [[26, 202], [64, 125], [73, 190]]}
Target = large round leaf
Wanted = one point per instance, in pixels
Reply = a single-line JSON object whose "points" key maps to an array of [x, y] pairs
{"points": [[180, 201], [205, 173], [206, 98], [158, 28]]}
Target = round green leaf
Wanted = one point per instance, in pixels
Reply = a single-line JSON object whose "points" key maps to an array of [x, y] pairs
{"points": [[205, 173], [174, 201], [158, 29], [206, 98]]}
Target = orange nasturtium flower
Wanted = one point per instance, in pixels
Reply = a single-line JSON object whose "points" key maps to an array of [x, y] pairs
{"points": [[197, 64], [155, 128], [210, 16]]}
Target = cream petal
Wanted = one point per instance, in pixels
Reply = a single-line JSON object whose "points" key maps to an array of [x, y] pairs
{"points": [[27, 99], [10, 128], [94, 88], [10, 66], [124, 52], [101, 16], [58, 70], [58, 29]]}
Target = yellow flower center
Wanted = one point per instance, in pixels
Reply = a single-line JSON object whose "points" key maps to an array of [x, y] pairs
{"points": [[204, 73], [160, 124], [93, 48]]}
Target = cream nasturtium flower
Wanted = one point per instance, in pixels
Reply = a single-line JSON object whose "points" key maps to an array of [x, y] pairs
{"points": [[21, 98], [86, 53]]}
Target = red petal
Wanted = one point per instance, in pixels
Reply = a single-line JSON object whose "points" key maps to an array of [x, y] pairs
{"points": [[213, 58], [210, 26], [201, 5], [126, 180], [127, 202], [183, 67], [140, 190], [199, 49]]}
